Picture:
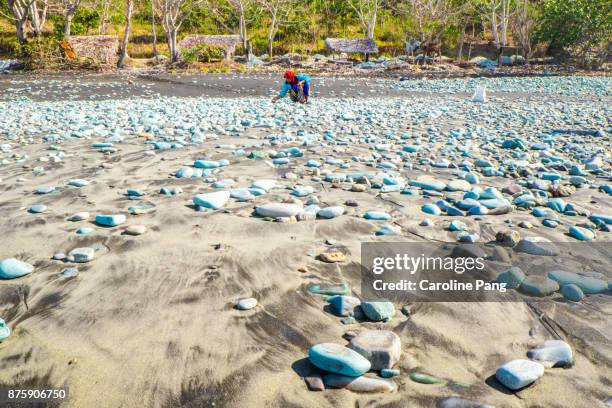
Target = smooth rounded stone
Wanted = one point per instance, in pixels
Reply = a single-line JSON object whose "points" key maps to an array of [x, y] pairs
{"points": [[426, 379], [500, 254], [351, 203], [378, 311], [136, 230], [539, 286], [388, 230], [110, 220], [550, 223], [517, 374], [5, 331], [69, 272], [457, 226], [468, 250], [458, 185], [552, 353], [213, 201], [302, 191], [468, 203], [512, 277], [80, 216], [358, 384], [454, 212], [431, 209], [241, 194], [314, 383], [332, 257], [478, 210], [12, 268], [359, 188], [587, 284], [265, 185], [85, 230], [331, 212], [81, 255], [38, 208], [426, 223], [336, 358], [132, 192], [170, 190], [435, 185], [276, 210], [537, 246], [377, 215], [456, 402], [582, 234], [60, 256], [206, 164], [525, 224], [44, 190], [246, 304], [343, 305], [389, 372], [382, 348], [572, 292], [509, 237]]}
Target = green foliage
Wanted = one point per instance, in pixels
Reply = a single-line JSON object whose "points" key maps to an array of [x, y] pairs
{"points": [[203, 53], [574, 22], [84, 21], [42, 53]]}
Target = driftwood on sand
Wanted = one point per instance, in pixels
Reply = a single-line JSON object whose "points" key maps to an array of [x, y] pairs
{"points": [[227, 42]]}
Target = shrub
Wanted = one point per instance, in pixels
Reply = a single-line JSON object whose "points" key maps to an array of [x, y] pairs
{"points": [[203, 53]]}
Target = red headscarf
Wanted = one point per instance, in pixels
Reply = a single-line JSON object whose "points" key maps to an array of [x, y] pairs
{"points": [[291, 77]]}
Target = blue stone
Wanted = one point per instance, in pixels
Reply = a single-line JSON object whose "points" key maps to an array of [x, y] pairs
{"points": [[213, 201], [388, 229], [389, 372], [479, 210], [5, 331], [572, 292], [206, 164], [302, 191], [431, 209], [38, 208], [454, 212], [338, 359], [377, 215], [428, 185], [512, 277], [582, 234], [13, 268], [457, 226], [45, 190], [517, 374], [587, 284], [343, 305], [110, 220], [85, 230], [378, 311]]}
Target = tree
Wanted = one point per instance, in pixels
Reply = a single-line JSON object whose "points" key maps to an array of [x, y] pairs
{"points": [[38, 15], [522, 26], [498, 13], [433, 17], [278, 11], [68, 9], [220, 10], [581, 27], [367, 12], [20, 10], [126, 33], [173, 14]]}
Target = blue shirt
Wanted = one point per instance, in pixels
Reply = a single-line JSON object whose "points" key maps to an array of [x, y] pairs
{"points": [[287, 86]]}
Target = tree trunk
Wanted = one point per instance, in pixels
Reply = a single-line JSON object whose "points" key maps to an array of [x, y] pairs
{"points": [[172, 47], [243, 30], [372, 23], [461, 41], [68, 25], [20, 30], [270, 45], [126, 33], [153, 30]]}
